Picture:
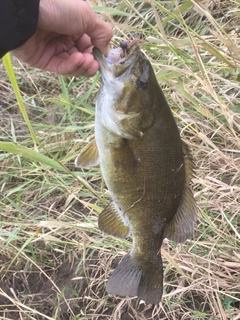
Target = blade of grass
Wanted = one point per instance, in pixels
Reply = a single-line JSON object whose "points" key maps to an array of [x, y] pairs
{"points": [[9, 68], [30, 154], [109, 10]]}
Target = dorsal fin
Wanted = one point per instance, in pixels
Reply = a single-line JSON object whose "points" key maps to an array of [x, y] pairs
{"points": [[89, 156], [110, 222], [181, 226]]}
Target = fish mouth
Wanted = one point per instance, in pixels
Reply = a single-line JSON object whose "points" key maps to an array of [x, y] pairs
{"points": [[109, 69]]}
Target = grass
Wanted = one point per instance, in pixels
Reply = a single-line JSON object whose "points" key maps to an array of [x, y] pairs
{"points": [[54, 261]]}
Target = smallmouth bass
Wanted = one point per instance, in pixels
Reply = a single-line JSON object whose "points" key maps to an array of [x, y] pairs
{"points": [[146, 167]]}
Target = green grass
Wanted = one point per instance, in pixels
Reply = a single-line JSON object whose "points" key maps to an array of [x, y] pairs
{"points": [[54, 260]]}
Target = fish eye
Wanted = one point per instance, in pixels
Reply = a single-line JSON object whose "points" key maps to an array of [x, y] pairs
{"points": [[142, 83]]}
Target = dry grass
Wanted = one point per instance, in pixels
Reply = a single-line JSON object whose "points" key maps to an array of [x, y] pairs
{"points": [[54, 261]]}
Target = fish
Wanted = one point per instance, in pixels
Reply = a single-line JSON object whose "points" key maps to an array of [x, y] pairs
{"points": [[147, 169]]}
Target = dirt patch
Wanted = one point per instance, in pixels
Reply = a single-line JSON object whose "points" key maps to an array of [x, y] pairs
{"points": [[71, 289], [50, 291]]}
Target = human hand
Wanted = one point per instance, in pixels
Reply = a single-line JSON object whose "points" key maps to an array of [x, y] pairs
{"points": [[65, 36]]}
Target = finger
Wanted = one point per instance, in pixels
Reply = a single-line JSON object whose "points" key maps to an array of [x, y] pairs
{"points": [[74, 18], [98, 30], [84, 44], [76, 64], [101, 36], [90, 72], [88, 68]]}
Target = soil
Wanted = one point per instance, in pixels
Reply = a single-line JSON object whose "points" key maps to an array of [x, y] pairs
{"points": [[69, 291]]}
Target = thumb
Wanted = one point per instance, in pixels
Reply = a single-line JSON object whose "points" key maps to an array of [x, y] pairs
{"points": [[100, 35]]}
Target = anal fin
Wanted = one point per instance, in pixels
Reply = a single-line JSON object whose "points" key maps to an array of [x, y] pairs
{"points": [[110, 222]]}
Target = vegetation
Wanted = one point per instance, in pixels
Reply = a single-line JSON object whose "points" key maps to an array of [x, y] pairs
{"points": [[54, 261]]}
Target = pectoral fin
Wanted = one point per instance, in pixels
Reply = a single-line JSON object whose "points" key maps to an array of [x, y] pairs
{"points": [[128, 131], [110, 222], [128, 125], [89, 156], [133, 125]]}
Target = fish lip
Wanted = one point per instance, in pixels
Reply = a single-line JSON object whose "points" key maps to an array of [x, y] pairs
{"points": [[116, 69]]}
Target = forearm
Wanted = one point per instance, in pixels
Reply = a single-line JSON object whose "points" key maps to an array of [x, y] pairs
{"points": [[18, 22]]}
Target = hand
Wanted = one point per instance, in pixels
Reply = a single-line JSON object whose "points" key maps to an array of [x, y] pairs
{"points": [[66, 33]]}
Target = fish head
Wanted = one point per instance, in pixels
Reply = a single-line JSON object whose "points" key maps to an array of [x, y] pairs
{"points": [[129, 85]]}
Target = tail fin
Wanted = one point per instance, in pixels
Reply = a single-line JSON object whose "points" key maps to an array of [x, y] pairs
{"points": [[129, 279]]}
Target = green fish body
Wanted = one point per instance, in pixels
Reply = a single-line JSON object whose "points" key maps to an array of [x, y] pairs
{"points": [[146, 168]]}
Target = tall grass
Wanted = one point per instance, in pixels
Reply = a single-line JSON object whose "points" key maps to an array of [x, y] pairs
{"points": [[54, 261]]}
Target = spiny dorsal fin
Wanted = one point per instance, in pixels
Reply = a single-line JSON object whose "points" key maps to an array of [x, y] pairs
{"points": [[89, 156], [110, 222], [181, 226]]}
